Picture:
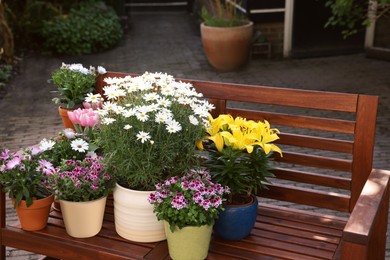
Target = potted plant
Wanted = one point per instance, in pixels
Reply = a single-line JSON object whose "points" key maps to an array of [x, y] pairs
{"points": [[82, 188], [226, 34], [73, 82], [148, 131], [188, 206], [24, 176], [238, 156]]}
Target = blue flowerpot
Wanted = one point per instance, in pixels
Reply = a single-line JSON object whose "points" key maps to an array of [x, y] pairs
{"points": [[236, 221]]}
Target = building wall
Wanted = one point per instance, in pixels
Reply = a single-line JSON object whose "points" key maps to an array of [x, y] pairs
{"points": [[273, 32], [382, 32]]}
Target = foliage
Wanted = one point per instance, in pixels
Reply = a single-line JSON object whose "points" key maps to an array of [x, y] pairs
{"points": [[238, 155], [5, 74], [81, 180], [73, 82], [149, 128], [351, 15], [90, 27], [219, 13], [24, 174], [192, 200]]}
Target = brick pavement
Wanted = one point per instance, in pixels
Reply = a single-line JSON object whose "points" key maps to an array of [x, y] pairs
{"points": [[170, 42]]}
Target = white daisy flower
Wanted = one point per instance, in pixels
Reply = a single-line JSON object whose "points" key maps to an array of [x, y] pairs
{"points": [[79, 145], [128, 112], [164, 102], [69, 133], [45, 144], [173, 127], [151, 96], [141, 116], [91, 98], [108, 121], [109, 106], [161, 118], [91, 154], [193, 120], [143, 136], [127, 127]]}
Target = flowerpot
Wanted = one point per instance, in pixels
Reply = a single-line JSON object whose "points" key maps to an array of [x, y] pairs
{"points": [[83, 219], [65, 119], [34, 217], [236, 221], [134, 216], [227, 48], [188, 243]]}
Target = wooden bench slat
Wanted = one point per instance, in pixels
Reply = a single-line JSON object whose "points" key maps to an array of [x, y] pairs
{"points": [[315, 161], [313, 178], [321, 199], [278, 96], [326, 144], [306, 122]]}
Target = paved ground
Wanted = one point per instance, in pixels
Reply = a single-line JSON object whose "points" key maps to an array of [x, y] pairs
{"points": [[170, 42]]}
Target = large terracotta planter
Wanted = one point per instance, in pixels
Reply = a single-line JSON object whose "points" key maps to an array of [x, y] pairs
{"points": [[35, 216], [188, 243], [227, 48], [235, 222], [134, 217], [83, 219], [65, 119]]}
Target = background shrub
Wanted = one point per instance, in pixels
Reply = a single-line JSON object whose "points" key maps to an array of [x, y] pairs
{"points": [[90, 27]]}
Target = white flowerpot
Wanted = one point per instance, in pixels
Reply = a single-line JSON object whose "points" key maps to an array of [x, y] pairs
{"points": [[134, 216], [83, 219]]}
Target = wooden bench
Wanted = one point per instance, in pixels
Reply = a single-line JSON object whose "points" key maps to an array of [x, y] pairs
{"points": [[327, 141]]}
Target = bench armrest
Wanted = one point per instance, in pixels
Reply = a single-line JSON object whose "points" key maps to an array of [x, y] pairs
{"points": [[365, 231]]}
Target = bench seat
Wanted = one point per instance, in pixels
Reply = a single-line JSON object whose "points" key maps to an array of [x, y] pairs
{"points": [[305, 235]]}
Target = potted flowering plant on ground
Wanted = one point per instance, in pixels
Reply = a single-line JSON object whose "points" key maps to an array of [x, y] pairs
{"points": [[148, 131], [226, 34], [188, 205], [82, 188], [238, 152], [73, 82], [24, 176]]}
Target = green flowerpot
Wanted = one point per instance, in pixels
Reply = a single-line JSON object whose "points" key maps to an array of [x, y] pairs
{"points": [[188, 243]]}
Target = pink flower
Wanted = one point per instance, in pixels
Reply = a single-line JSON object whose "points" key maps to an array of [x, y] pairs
{"points": [[84, 117], [94, 106], [13, 163]]}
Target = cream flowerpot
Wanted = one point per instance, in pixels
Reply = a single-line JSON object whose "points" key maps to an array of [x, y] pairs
{"points": [[134, 217], [83, 219]]}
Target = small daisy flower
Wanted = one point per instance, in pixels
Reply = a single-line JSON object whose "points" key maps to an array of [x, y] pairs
{"points": [[143, 136], [173, 127], [108, 121], [193, 120], [127, 127], [91, 98], [79, 145], [46, 145]]}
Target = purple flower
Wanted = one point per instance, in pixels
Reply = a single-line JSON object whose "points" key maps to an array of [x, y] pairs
{"points": [[14, 162], [5, 154], [45, 167]]}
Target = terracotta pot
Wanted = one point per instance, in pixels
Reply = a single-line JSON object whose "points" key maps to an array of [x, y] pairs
{"points": [[134, 216], [65, 119], [83, 219], [188, 243], [227, 48], [34, 217]]}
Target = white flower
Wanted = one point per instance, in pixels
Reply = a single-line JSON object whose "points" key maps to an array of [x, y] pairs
{"points": [[101, 70], [128, 113], [161, 118], [193, 120], [69, 133], [108, 121], [143, 136], [79, 145], [45, 144], [173, 127], [127, 127], [151, 96], [184, 100], [141, 116], [164, 102], [91, 98], [91, 154], [109, 106]]}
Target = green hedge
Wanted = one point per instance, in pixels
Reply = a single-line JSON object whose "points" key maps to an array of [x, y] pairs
{"points": [[89, 27]]}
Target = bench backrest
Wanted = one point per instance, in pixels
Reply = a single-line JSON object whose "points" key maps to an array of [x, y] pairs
{"points": [[327, 138]]}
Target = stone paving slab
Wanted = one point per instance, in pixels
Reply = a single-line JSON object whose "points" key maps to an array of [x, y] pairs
{"points": [[170, 42]]}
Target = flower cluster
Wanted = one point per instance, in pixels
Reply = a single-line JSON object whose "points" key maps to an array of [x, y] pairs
{"points": [[158, 119], [81, 180], [73, 82], [239, 153], [190, 200], [24, 174], [66, 145]]}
